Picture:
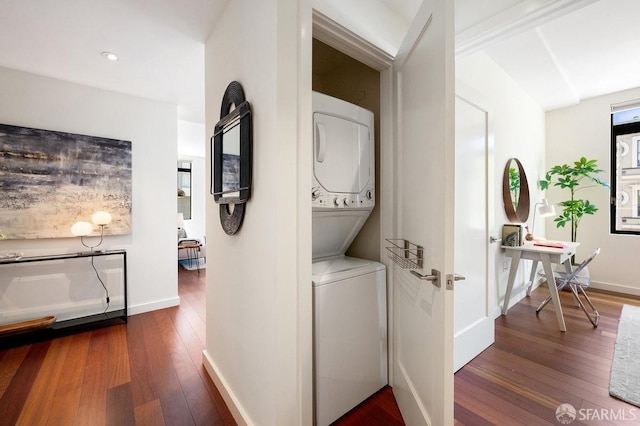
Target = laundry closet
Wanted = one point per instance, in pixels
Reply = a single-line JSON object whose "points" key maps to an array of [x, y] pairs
{"points": [[338, 75], [349, 282]]}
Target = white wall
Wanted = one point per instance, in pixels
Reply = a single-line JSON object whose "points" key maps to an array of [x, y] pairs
{"points": [[382, 26], [518, 124], [34, 101], [191, 139], [258, 281], [585, 130]]}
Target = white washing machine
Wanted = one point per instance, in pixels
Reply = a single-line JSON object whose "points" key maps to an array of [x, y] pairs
{"points": [[350, 334], [350, 303]]}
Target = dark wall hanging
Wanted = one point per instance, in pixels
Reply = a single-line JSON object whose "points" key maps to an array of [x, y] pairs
{"points": [[232, 146], [49, 180]]}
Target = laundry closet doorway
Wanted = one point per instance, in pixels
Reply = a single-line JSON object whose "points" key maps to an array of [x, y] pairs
{"points": [[426, 85]]}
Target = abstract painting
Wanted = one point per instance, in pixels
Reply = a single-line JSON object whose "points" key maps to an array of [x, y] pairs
{"points": [[49, 180]]}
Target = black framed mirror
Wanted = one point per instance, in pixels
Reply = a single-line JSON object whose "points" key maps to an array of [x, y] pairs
{"points": [[231, 168], [515, 191]]}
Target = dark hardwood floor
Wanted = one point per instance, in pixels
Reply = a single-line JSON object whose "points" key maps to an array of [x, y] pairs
{"points": [[379, 409], [150, 372], [531, 369]]}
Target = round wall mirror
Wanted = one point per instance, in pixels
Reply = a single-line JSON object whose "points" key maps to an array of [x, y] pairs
{"points": [[515, 191]]}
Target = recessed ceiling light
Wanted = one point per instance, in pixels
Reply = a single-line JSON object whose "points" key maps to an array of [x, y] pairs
{"points": [[110, 56]]}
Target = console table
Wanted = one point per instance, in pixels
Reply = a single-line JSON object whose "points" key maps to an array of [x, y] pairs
{"points": [[59, 328]]}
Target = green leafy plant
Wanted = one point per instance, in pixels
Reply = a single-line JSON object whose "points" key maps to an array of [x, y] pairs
{"points": [[514, 186], [574, 178]]}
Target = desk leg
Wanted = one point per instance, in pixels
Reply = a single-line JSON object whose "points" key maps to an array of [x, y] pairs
{"points": [[513, 269], [532, 276], [553, 290]]}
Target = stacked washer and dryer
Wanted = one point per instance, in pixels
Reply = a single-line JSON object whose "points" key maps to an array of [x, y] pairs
{"points": [[350, 305]]}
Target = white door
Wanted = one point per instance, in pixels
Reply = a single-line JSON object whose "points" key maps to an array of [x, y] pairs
{"points": [[424, 208], [473, 311]]}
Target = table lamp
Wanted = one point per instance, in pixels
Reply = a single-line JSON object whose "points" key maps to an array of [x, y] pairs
{"points": [[82, 229], [546, 210]]}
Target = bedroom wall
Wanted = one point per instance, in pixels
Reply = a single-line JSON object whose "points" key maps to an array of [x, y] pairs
{"points": [[34, 101], [518, 125], [585, 130]]}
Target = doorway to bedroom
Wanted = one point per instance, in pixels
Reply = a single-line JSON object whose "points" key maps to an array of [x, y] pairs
{"points": [[192, 247]]}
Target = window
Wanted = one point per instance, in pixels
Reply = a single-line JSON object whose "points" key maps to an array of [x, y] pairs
{"points": [[184, 188], [625, 160]]}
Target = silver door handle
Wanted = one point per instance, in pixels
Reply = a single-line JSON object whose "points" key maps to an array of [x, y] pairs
{"points": [[434, 277], [451, 278], [493, 239]]}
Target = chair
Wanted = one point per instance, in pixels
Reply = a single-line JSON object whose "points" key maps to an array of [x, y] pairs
{"points": [[577, 284]]}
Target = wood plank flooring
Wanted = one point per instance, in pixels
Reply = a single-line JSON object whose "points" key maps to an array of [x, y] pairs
{"points": [[531, 369], [150, 372], [379, 409]]}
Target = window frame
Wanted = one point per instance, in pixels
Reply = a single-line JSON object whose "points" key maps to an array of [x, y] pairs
{"points": [[187, 215], [624, 128]]}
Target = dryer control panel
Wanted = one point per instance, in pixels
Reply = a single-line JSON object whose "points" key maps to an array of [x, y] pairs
{"points": [[321, 198]]}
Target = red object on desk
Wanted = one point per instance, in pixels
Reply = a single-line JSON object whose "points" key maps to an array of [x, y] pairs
{"points": [[549, 244]]}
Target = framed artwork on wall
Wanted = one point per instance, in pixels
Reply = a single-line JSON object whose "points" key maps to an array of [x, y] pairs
{"points": [[49, 180]]}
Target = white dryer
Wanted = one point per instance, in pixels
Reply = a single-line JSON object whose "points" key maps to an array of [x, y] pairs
{"points": [[350, 304], [343, 186]]}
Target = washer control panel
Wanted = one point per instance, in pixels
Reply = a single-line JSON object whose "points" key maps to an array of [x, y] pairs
{"points": [[331, 200]]}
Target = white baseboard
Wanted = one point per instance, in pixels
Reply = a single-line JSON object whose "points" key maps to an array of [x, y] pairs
{"points": [[616, 288], [239, 414], [153, 306], [519, 292]]}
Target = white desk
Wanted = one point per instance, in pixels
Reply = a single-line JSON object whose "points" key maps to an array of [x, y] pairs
{"points": [[546, 255]]}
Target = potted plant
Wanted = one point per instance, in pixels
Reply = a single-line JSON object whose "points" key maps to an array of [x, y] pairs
{"points": [[574, 178]]}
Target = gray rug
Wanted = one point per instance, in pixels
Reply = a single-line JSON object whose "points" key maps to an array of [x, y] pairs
{"points": [[625, 369]]}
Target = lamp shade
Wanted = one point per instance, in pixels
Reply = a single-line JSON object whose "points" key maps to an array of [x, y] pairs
{"points": [[81, 229], [546, 209], [101, 218]]}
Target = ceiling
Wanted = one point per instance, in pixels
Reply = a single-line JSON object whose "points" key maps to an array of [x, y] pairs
{"points": [[570, 51], [559, 51], [160, 44]]}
